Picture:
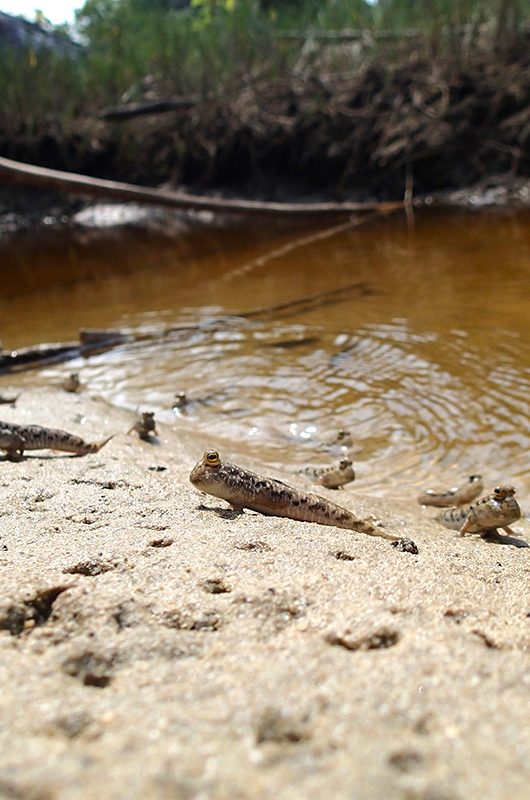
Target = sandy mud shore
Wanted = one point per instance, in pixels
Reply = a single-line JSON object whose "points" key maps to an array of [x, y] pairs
{"points": [[154, 645]]}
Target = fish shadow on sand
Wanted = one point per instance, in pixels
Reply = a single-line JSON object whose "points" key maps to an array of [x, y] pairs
{"points": [[497, 538], [154, 441], [224, 513], [38, 457]]}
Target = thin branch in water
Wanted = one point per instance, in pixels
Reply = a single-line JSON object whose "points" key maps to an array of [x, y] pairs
{"points": [[309, 303], [302, 241]]}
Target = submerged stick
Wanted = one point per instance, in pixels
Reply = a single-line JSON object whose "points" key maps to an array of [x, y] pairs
{"points": [[92, 342], [309, 302], [306, 240]]}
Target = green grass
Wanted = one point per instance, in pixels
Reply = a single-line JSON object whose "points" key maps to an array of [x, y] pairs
{"points": [[217, 46]]}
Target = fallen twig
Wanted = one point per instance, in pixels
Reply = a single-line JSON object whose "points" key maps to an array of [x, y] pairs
{"points": [[15, 172], [163, 104]]}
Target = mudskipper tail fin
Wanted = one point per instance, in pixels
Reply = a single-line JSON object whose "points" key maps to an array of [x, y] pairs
{"points": [[95, 447]]}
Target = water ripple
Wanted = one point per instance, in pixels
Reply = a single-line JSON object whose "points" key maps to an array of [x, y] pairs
{"points": [[415, 404]]}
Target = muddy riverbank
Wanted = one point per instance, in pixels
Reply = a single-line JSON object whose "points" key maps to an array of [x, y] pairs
{"points": [[420, 125], [151, 639]]}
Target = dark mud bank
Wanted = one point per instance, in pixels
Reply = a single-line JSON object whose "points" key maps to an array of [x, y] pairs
{"points": [[429, 125]]}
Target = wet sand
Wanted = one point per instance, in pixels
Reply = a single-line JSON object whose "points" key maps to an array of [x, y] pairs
{"points": [[154, 645]]}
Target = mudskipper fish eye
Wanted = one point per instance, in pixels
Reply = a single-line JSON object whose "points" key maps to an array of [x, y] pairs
{"points": [[212, 457]]}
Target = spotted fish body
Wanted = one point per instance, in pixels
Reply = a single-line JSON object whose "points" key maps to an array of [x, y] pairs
{"points": [[457, 496], [496, 510], [332, 477], [15, 439], [245, 489]]}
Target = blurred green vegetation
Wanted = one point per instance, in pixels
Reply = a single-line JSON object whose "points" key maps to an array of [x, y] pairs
{"points": [[214, 47]]}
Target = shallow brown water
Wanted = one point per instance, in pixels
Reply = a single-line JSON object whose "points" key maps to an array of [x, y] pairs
{"points": [[426, 360]]}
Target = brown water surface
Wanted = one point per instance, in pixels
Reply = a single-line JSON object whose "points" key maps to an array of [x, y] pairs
{"points": [[424, 357]]}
